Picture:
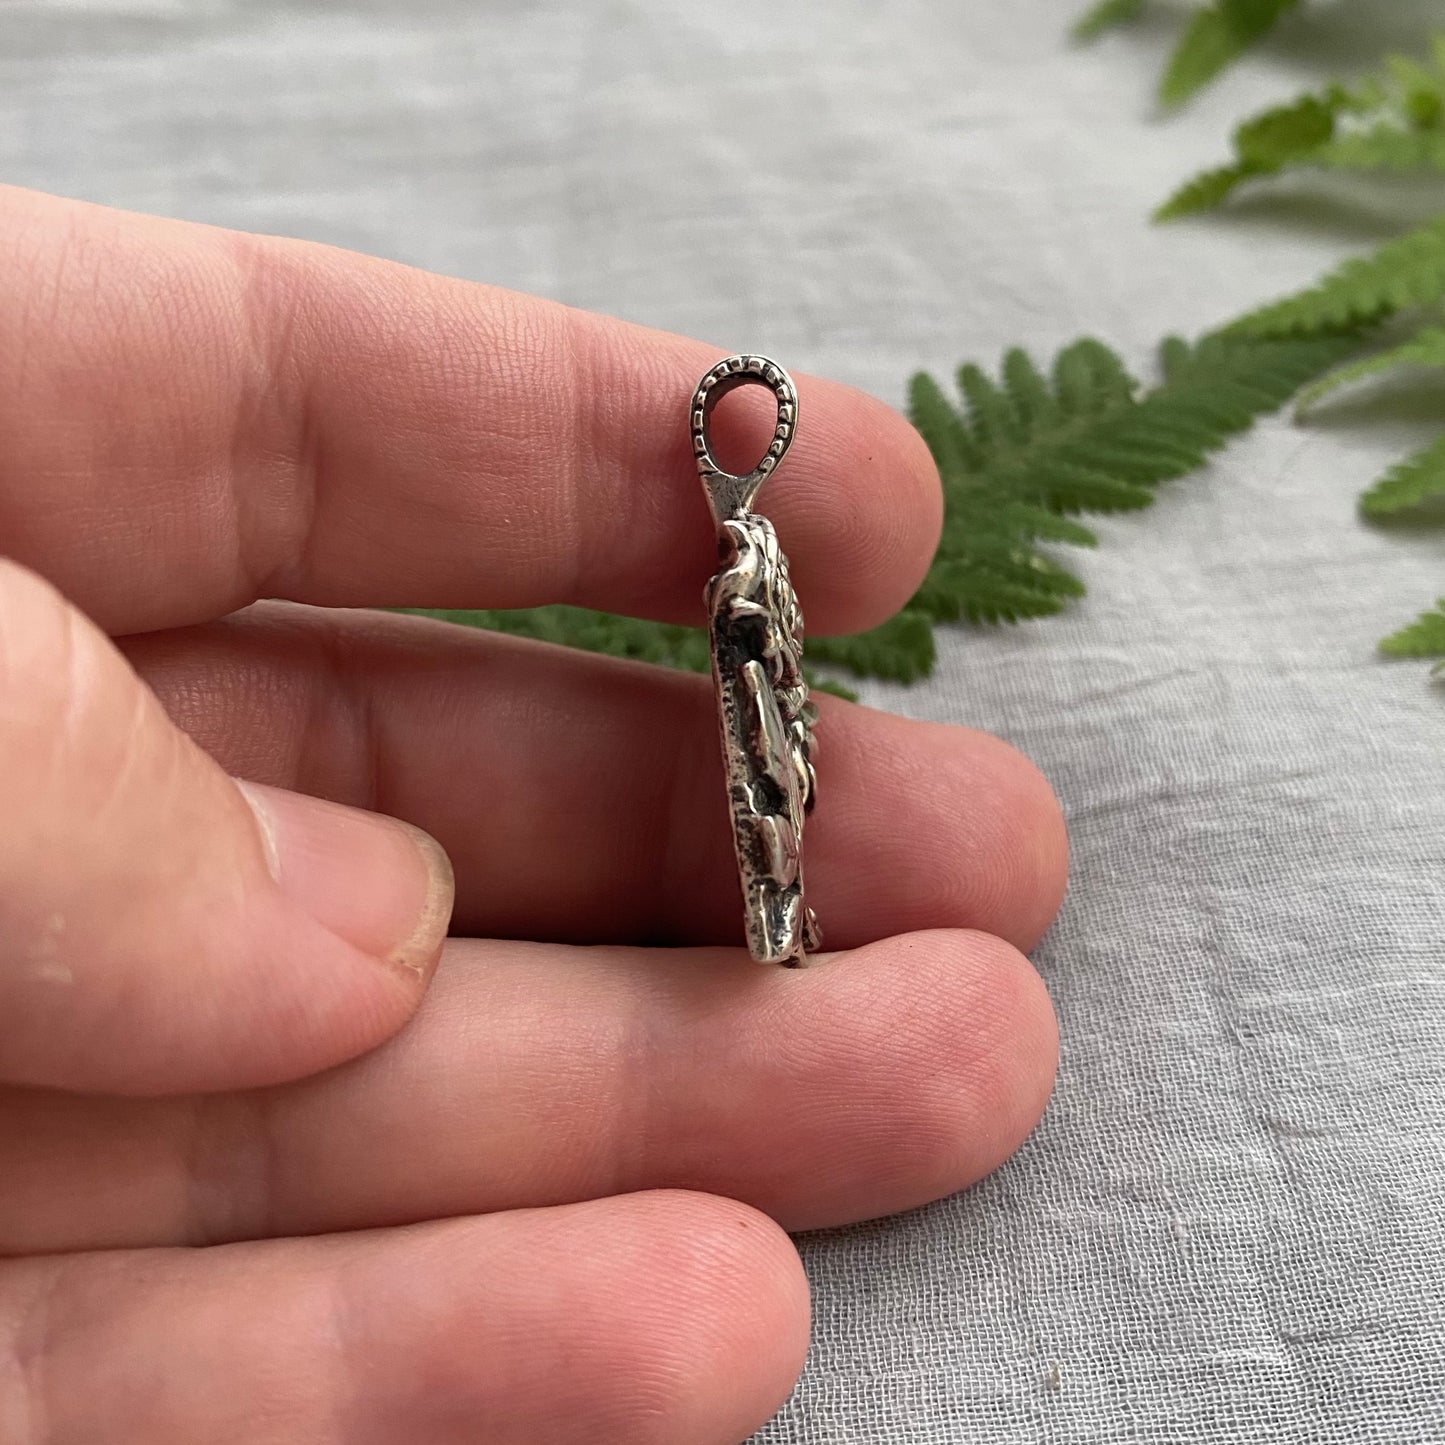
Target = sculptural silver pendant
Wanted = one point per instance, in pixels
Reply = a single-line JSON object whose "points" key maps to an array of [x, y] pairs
{"points": [[764, 713]]}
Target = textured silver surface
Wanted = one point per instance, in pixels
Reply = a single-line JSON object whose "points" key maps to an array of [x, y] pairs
{"points": [[755, 628], [1229, 1226]]}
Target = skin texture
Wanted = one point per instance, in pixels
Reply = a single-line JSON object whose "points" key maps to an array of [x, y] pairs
{"points": [[282, 1160]]}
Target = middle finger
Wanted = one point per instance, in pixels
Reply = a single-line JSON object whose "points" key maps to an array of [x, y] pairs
{"points": [[581, 798]]}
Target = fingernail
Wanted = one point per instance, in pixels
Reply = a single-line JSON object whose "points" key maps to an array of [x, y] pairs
{"points": [[377, 882]]}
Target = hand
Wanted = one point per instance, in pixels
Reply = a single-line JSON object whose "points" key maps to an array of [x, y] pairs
{"points": [[548, 1202]]}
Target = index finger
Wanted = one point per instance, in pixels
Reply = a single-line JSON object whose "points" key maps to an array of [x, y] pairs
{"points": [[195, 418]]}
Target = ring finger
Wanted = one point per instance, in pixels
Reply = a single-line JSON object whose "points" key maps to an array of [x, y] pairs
{"points": [[541, 1074]]}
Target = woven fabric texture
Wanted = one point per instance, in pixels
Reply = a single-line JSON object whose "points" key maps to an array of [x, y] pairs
{"points": [[1229, 1226]]}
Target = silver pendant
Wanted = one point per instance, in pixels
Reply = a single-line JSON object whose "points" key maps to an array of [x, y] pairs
{"points": [[764, 714]]}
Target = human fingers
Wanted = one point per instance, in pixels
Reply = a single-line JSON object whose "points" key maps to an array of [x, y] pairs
{"points": [[647, 1318], [536, 1074], [195, 418], [582, 799], [161, 927]]}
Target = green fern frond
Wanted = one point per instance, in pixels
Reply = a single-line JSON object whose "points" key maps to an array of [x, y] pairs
{"points": [[1263, 146], [1219, 386], [660, 642], [1045, 526], [663, 643], [996, 582], [901, 650], [1089, 377], [1089, 484], [1425, 637], [1017, 456], [1382, 148], [1215, 38], [993, 422], [1105, 15], [1418, 481], [1085, 440], [938, 423], [1403, 273], [1206, 191], [1278, 135], [1425, 349], [1393, 120]]}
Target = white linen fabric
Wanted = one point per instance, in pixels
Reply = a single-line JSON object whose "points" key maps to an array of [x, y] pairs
{"points": [[1229, 1225]]}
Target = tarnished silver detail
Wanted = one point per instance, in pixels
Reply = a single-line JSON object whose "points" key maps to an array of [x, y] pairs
{"points": [[764, 713]]}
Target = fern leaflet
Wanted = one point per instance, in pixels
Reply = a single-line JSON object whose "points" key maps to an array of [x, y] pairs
{"points": [[1390, 121], [1382, 148], [1425, 348], [1207, 190], [1418, 481], [1401, 274], [901, 650], [1215, 38], [1263, 146], [1425, 637], [1105, 16]]}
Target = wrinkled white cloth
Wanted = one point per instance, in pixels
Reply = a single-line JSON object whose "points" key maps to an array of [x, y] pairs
{"points": [[1229, 1226]]}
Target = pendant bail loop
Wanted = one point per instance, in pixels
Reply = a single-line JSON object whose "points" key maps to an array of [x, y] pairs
{"points": [[731, 494]]}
